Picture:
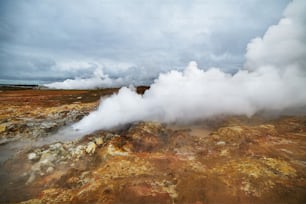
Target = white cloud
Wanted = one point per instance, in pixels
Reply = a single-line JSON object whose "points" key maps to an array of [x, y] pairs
{"points": [[98, 80]]}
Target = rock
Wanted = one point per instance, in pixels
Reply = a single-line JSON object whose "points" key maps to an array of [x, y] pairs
{"points": [[55, 146], [220, 143], [109, 136], [99, 141], [33, 156], [48, 125], [36, 167], [113, 151], [245, 162], [91, 148], [47, 158], [31, 178], [2, 128], [49, 169], [144, 193], [78, 151], [233, 133], [147, 136]]}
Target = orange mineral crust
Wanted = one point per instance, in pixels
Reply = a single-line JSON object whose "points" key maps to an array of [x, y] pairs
{"points": [[222, 160]]}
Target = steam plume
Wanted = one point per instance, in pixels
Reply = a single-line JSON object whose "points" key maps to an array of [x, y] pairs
{"points": [[98, 80], [276, 81]]}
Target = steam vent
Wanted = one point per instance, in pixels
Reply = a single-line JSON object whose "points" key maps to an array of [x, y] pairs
{"points": [[222, 160], [153, 102]]}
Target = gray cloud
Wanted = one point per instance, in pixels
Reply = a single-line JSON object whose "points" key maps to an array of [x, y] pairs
{"points": [[275, 85], [66, 39]]}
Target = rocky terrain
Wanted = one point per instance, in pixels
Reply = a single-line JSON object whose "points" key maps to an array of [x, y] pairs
{"points": [[222, 160]]}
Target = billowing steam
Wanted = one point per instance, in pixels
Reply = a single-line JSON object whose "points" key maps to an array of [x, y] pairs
{"points": [[98, 80], [274, 79]]}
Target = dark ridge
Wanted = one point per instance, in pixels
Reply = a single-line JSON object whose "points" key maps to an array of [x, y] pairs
{"points": [[142, 89], [18, 86]]}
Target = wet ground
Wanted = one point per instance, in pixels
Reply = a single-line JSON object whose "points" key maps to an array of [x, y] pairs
{"points": [[221, 160]]}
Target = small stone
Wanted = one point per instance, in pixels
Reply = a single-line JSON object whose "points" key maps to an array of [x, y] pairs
{"points": [[31, 178], [221, 143], [50, 169], [32, 156], [109, 136], [63, 163], [48, 125], [99, 141], [2, 128], [224, 152], [78, 151], [47, 158], [36, 167], [91, 148], [113, 151], [55, 146]]}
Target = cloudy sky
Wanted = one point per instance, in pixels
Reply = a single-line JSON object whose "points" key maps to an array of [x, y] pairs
{"points": [[55, 40]]}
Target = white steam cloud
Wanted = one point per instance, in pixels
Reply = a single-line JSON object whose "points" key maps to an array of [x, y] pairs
{"points": [[277, 81], [98, 80]]}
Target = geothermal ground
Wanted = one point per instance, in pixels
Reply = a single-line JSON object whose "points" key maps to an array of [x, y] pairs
{"points": [[221, 160]]}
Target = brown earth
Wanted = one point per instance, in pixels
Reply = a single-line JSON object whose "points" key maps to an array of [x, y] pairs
{"points": [[222, 160]]}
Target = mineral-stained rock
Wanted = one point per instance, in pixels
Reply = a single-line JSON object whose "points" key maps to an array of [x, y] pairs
{"points": [[77, 151], [179, 174], [49, 169], [221, 143], [147, 136], [91, 148], [47, 158], [98, 141], [234, 160], [144, 193], [33, 156], [49, 126], [2, 128]]}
